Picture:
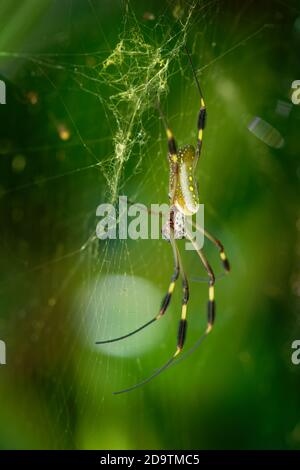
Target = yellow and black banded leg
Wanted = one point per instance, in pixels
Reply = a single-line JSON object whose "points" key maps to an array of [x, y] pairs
{"points": [[218, 244], [171, 143], [174, 165], [181, 331], [182, 328], [200, 127], [166, 300], [211, 306], [172, 148], [171, 140], [202, 112]]}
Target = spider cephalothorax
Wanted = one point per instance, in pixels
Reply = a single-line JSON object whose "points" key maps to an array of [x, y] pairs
{"points": [[175, 224]]}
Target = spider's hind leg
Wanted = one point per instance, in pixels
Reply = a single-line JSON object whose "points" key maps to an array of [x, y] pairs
{"points": [[218, 244], [181, 330], [211, 306], [175, 275]]}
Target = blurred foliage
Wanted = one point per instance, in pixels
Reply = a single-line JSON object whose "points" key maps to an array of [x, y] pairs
{"points": [[61, 290]]}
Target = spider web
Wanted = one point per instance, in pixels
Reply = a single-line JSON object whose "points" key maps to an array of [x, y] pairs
{"points": [[97, 110]]}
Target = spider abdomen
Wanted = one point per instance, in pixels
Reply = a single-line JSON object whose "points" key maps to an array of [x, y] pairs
{"points": [[186, 192]]}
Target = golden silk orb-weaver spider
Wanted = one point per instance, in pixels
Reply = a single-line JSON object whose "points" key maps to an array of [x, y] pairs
{"points": [[183, 201]]}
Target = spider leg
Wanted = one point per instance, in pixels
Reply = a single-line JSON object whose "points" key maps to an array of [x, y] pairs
{"points": [[185, 298], [165, 302], [211, 307], [172, 147], [217, 243], [211, 302], [181, 332], [200, 127], [151, 377], [171, 140], [202, 112]]}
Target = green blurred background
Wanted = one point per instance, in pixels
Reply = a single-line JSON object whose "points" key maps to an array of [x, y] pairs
{"points": [[61, 290]]}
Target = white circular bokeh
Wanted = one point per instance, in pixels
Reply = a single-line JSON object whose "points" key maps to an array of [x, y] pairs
{"points": [[113, 306]]}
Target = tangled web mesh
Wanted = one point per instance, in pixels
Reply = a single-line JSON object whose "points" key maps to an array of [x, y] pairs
{"points": [[136, 74], [128, 80]]}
